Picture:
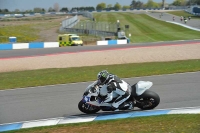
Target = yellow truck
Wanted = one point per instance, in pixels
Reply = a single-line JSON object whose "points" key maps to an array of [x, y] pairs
{"points": [[69, 40]]}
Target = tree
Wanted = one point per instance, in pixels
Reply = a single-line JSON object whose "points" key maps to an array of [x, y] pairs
{"points": [[183, 2], [0, 10], [117, 6], [176, 3], [17, 10], [37, 9], [109, 6], [198, 2], [133, 4], [91, 8], [160, 5], [5, 10], [51, 9], [193, 2], [101, 6], [64, 9], [179, 3], [139, 4], [43, 10], [56, 7], [125, 7], [136, 4], [151, 4], [28, 11], [189, 2]]}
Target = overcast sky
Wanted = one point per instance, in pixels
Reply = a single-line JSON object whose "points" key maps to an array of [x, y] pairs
{"points": [[30, 4]]}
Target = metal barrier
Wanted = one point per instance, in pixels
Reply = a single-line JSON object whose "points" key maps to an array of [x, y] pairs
{"points": [[90, 32], [70, 22], [73, 25]]}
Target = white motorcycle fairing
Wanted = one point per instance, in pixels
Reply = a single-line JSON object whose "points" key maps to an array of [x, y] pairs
{"points": [[96, 102], [142, 86]]}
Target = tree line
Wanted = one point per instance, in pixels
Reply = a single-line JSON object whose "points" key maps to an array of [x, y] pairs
{"points": [[186, 2], [103, 6], [150, 4]]}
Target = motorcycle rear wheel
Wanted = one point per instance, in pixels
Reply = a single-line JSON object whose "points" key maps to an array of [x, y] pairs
{"points": [[87, 108], [148, 100]]}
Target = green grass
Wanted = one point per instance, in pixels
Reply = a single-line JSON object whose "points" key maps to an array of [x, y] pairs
{"points": [[183, 13], [79, 74], [144, 28], [25, 32], [189, 123]]}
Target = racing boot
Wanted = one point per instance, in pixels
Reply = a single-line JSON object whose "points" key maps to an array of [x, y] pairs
{"points": [[114, 109], [131, 105], [126, 106]]}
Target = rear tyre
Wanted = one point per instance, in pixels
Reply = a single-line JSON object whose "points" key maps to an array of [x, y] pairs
{"points": [[87, 108], [148, 100]]}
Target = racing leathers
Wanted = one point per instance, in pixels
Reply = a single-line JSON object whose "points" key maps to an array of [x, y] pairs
{"points": [[120, 87]]}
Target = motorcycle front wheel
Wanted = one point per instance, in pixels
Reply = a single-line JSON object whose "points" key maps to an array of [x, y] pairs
{"points": [[87, 108]]}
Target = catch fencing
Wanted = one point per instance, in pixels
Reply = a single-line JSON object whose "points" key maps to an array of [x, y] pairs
{"points": [[70, 22], [88, 15], [88, 27]]}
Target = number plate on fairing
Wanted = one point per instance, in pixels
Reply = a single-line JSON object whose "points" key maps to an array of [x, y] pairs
{"points": [[86, 99]]}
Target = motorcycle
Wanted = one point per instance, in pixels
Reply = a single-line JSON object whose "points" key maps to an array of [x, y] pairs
{"points": [[141, 96]]}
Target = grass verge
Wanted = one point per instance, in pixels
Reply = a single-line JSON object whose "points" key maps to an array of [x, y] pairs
{"points": [[42, 77], [189, 123], [26, 31]]}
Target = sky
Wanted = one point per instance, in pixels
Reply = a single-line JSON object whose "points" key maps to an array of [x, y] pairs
{"points": [[11, 5]]}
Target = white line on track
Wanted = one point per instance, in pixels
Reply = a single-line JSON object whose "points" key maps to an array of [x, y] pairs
{"points": [[93, 81]]}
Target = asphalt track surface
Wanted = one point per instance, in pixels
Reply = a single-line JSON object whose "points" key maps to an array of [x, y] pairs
{"points": [[21, 53], [169, 17], [175, 91]]}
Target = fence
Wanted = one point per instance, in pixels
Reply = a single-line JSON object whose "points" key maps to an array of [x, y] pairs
{"points": [[70, 22], [90, 32], [88, 15], [73, 25]]}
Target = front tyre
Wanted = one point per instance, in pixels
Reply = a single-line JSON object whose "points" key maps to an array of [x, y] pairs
{"points": [[148, 100], [87, 108]]}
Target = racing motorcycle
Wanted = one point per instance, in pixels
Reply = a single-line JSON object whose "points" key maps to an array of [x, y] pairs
{"points": [[141, 96]]}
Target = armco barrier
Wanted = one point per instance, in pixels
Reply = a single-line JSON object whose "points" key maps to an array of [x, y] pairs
{"points": [[89, 118], [6, 46], [112, 42], [32, 45], [36, 45]]}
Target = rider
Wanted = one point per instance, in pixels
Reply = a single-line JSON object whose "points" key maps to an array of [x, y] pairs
{"points": [[115, 84]]}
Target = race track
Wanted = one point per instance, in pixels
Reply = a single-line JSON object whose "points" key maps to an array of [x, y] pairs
{"points": [[175, 90]]}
